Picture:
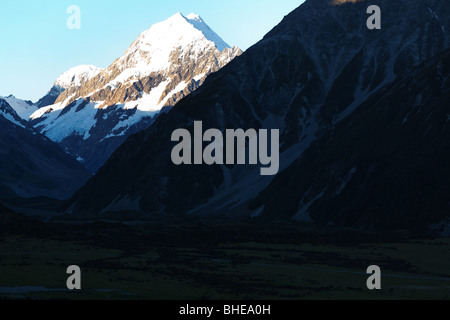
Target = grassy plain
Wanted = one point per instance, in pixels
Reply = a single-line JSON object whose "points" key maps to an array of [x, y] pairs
{"points": [[200, 261]]}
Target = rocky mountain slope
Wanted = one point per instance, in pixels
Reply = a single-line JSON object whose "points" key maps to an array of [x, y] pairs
{"points": [[319, 77], [71, 80], [31, 165], [96, 112], [385, 165]]}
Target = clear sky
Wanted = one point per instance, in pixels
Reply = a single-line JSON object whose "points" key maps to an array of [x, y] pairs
{"points": [[36, 45]]}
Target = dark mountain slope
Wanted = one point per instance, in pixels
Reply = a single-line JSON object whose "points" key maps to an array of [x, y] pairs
{"points": [[386, 165], [31, 165], [305, 77]]}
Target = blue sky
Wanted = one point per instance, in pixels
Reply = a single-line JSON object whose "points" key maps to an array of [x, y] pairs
{"points": [[37, 46]]}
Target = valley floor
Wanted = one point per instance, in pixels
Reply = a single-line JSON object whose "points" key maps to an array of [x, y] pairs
{"points": [[199, 261]]}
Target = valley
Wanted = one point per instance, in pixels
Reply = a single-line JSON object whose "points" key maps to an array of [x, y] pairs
{"points": [[110, 170], [193, 259]]}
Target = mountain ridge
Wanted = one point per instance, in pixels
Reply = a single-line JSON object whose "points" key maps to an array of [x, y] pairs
{"points": [[92, 117], [31, 165], [306, 77]]}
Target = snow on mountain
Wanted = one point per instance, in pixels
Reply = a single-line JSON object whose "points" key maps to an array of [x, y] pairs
{"points": [[70, 80], [363, 119], [99, 108], [153, 49], [200, 25], [80, 124], [77, 76], [7, 112], [32, 165], [23, 108]]}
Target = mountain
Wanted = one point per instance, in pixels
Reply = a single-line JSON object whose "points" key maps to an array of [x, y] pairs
{"points": [[31, 165], [24, 109], [336, 90], [98, 110], [76, 77], [7, 112], [384, 166], [50, 97], [72, 79]]}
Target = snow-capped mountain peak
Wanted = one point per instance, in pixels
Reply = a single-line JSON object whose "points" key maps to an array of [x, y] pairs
{"points": [[23, 108], [200, 24], [152, 50], [193, 16], [99, 108], [77, 76], [7, 112]]}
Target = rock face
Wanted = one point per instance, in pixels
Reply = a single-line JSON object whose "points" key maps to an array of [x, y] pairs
{"points": [[31, 165], [384, 166], [70, 81], [50, 97], [364, 129], [99, 109], [76, 77]]}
